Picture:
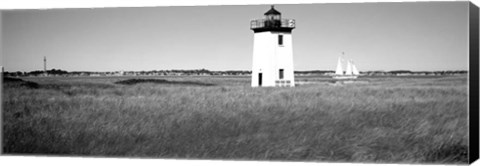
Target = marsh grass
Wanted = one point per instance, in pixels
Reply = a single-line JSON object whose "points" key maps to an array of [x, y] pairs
{"points": [[406, 120], [161, 81]]}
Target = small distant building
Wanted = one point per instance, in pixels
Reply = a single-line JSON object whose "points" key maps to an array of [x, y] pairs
{"points": [[272, 50]]}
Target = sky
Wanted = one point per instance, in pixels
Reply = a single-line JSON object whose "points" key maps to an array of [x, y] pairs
{"points": [[417, 36]]}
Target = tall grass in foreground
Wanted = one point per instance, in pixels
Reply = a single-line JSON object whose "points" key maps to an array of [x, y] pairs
{"points": [[388, 120]]}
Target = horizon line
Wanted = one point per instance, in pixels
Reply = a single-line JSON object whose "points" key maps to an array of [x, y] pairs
{"points": [[236, 70]]}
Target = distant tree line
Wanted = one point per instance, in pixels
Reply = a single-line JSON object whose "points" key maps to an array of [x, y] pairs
{"points": [[390, 73], [204, 72], [408, 72], [55, 72], [52, 72]]}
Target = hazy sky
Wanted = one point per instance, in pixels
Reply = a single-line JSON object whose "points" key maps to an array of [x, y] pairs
{"points": [[377, 36]]}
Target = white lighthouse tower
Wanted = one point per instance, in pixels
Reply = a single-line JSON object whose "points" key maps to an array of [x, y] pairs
{"points": [[272, 50]]}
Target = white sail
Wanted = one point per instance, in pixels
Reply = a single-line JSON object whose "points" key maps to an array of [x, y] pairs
{"points": [[349, 69], [355, 70], [339, 70]]}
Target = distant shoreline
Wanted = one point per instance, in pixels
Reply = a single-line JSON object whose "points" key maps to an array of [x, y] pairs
{"points": [[204, 72]]}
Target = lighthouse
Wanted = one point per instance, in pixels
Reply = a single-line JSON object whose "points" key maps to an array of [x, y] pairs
{"points": [[272, 50]]}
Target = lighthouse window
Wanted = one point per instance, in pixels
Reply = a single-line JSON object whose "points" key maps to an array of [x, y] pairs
{"points": [[280, 39], [280, 73]]}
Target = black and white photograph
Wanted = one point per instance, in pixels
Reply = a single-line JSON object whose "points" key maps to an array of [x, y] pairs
{"points": [[372, 82]]}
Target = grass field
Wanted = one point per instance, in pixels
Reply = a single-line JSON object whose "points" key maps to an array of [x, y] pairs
{"points": [[383, 119]]}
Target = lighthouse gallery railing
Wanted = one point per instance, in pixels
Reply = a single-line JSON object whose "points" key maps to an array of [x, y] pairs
{"points": [[267, 23]]}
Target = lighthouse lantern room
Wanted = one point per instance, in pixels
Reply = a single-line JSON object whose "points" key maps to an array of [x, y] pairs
{"points": [[272, 50]]}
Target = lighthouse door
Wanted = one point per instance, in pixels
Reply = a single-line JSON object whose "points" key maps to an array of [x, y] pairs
{"points": [[259, 79]]}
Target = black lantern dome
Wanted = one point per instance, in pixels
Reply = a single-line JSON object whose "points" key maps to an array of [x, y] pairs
{"points": [[272, 11], [272, 14]]}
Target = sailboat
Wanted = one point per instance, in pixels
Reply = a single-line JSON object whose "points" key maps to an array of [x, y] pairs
{"points": [[350, 73]]}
